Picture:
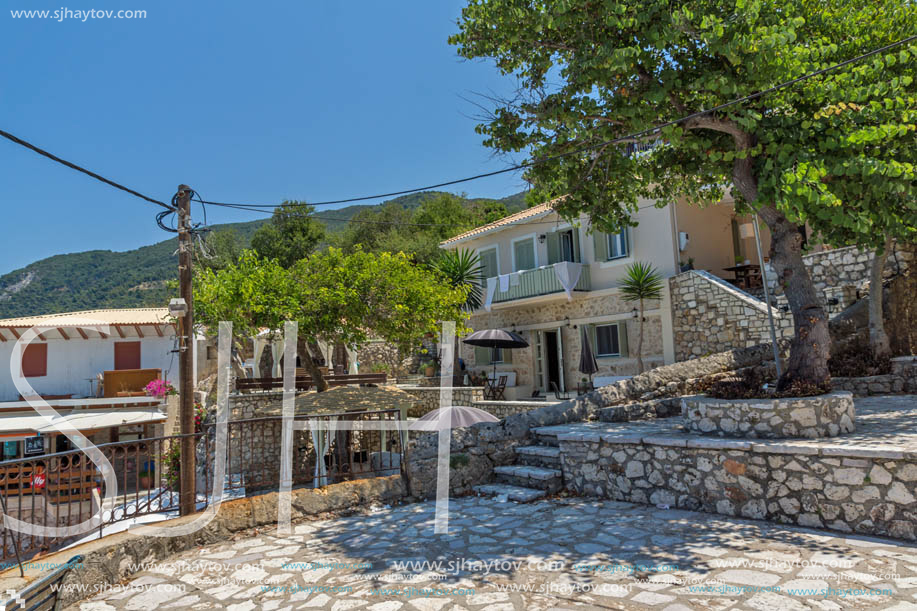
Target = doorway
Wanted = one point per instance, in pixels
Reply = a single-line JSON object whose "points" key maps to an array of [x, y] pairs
{"points": [[552, 361]]}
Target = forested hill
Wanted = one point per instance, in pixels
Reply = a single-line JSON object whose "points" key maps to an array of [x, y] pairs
{"points": [[137, 278]]}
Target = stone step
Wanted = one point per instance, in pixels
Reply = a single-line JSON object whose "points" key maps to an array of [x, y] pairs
{"points": [[538, 456], [513, 493], [545, 439], [528, 476]]}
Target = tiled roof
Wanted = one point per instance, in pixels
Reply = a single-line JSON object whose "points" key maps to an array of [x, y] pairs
{"points": [[124, 316], [512, 219]]}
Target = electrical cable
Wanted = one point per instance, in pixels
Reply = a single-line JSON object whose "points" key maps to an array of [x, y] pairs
{"points": [[634, 136], [73, 166]]}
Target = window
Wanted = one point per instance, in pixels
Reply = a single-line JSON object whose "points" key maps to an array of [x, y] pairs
{"points": [[524, 254], [607, 340], [563, 246], [488, 263], [618, 245], [35, 360], [127, 355]]}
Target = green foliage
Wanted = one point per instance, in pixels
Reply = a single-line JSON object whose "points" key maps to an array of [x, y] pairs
{"points": [[641, 282], [462, 268], [222, 247], [835, 151], [290, 235], [335, 297]]}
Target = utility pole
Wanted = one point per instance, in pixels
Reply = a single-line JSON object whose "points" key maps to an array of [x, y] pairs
{"points": [[187, 490]]}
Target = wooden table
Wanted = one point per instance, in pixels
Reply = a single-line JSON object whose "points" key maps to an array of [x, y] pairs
{"points": [[747, 276]]}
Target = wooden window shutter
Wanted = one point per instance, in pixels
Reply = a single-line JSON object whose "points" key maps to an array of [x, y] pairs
{"points": [[600, 240], [553, 241], [622, 339], [577, 255], [127, 355], [481, 356], [35, 360], [507, 356]]}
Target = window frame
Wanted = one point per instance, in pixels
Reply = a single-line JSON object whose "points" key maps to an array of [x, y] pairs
{"points": [[617, 326], [627, 241], [494, 247], [534, 240]]}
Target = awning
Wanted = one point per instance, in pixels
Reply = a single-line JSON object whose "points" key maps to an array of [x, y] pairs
{"points": [[85, 421], [81, 420]]}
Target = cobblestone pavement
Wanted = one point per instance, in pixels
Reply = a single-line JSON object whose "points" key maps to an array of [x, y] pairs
{"points": [[555, 554]]}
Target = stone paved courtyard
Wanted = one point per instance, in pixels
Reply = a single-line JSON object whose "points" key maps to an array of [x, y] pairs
{"points": [[555, 554]]}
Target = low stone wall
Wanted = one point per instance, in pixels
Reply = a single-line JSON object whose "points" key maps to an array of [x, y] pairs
{"points": [[504, 409], [488, 445], [841, 488], [108, 561], [826, 415], [643, 410], [902, 379], [428, 397]]}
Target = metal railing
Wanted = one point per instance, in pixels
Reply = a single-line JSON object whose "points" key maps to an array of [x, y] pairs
{"points": [[540, 281], [42, 594], [254, 448], [67, 489]]}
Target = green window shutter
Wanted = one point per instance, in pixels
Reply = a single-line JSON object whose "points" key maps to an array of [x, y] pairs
{"points": [[488, 263], [622, 338], [524, 251], [507, 356], [481, 356], [553, 248], [577, 255], [590, 330], [600, 239]]}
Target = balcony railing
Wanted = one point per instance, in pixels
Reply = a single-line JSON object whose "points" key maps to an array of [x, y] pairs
{"points": [[540, 281]]}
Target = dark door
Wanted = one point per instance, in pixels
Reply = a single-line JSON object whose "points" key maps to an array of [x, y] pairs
{"points": [[553, 370]]}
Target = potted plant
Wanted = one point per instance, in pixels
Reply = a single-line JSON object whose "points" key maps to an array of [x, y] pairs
{"points": [[145, 480], [160, 388], [686, 266]]}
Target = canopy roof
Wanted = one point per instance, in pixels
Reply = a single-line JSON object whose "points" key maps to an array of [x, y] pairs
{"points": [[124, 322]]}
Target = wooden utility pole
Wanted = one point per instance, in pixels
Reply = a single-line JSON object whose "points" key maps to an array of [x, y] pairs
{"points": [[187, 490]]}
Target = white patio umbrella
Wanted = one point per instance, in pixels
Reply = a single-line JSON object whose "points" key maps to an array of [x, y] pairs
{"points": [[451, 417]]}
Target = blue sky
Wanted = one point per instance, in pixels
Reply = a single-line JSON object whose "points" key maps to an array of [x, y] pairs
{"points": [[249, 102]]}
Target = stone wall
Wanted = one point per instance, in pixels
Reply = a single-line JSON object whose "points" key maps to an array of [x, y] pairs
{"points": [[826, 415], [902, 379], [845, 489], [842, 271], [582, 306], [381, 356], [428, 398], [710, 315], [488, 445]]}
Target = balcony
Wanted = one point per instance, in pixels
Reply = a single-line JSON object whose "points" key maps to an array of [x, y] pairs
{"points": [[540, 281]]}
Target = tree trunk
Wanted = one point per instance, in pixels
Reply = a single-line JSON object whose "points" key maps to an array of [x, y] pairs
{"points": [[305, 357], [266, 362], [878, 338], [810, 348], [640, 342]]}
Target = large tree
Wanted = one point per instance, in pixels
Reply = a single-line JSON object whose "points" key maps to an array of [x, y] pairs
{"points": [[594, 70], [335, 297], [291, 234]]}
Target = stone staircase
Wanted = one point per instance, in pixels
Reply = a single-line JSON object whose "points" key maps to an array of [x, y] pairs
{"points": [[536, 473]]}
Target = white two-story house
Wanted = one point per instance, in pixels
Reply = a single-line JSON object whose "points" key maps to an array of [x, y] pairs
{"points": [[549, 279]]}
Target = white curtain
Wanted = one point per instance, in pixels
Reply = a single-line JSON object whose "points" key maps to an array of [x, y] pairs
{"points": [[353, 367], [491, 289], [568, 275], [321, 440], [276, 351]]}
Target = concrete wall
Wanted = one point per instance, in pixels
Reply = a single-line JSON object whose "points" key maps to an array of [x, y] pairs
{"points": [[71, 362]]}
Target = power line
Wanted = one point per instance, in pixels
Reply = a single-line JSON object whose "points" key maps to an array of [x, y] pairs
{"points": [[73, 166], [634, 136]]}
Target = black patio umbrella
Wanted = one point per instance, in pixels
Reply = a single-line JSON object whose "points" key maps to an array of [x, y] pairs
{"points": [[493, 339], [587, 364]]}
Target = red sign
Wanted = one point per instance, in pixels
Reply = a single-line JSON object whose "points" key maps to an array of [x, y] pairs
{"points": [[38, 480]]}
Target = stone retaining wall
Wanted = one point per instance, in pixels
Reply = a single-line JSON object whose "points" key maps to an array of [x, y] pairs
{"points": [[428, 397], [826, 415], [841, 488], [488, 445], [902, 379]]}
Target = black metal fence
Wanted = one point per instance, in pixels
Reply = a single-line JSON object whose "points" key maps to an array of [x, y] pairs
{"points": [[67, 489]]}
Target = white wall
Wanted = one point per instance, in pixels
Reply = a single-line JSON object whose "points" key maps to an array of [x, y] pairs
{"points": [[71, 362]]}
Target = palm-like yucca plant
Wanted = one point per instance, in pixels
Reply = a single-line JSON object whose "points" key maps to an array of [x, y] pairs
{"points": [[642, 282], [463, 268]]}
